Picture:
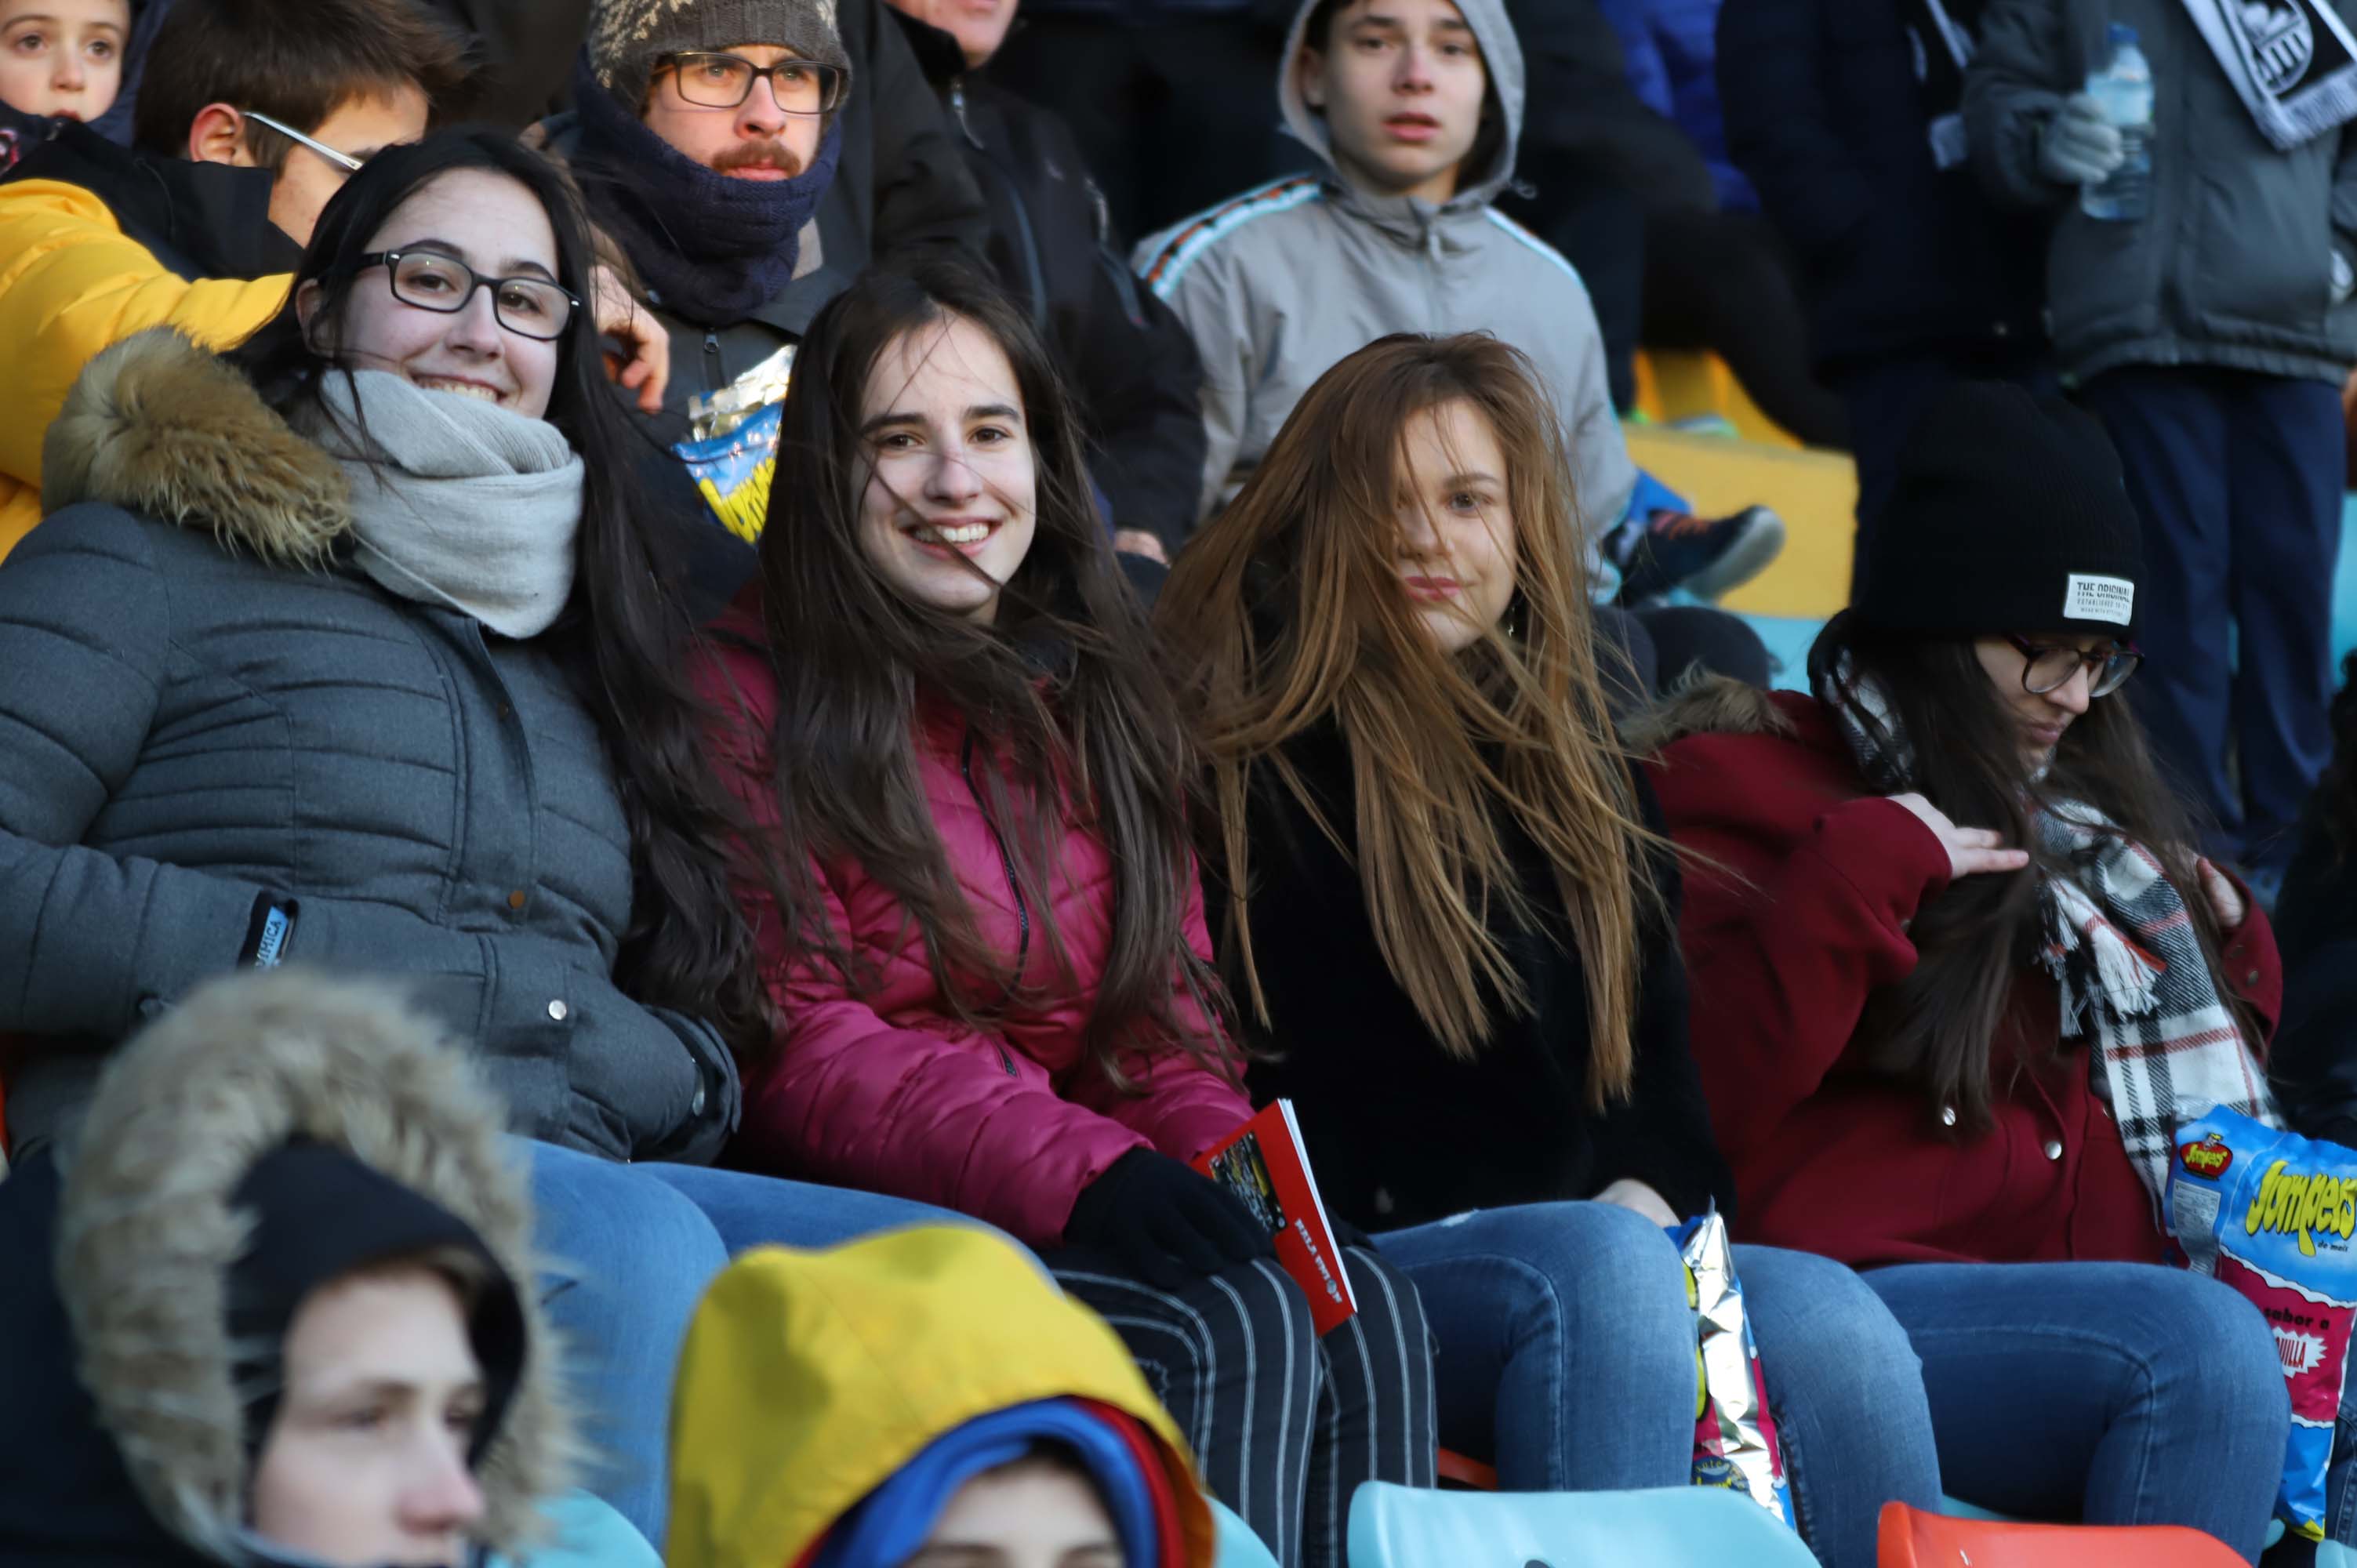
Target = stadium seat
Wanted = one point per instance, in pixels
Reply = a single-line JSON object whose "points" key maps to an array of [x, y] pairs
{"points": [[1679, 1527], [1913, 1540], [585, 1534], [1238, 1546]]}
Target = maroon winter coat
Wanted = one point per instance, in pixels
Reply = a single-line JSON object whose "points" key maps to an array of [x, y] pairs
{"points": [[1796, 910], [885, 1088]]}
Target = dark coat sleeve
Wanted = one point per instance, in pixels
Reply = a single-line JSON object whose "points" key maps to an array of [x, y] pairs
{"points": [[1781, 128], [925, 198], [1137, 368], [2313, 1060], [1661, 1135], [524, 51], [1580, 111]]}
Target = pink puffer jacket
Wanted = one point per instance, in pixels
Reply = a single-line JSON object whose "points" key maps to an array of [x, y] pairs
{"points": [[887, 1089]]}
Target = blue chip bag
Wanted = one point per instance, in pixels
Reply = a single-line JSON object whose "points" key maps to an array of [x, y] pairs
{"points": [[2271, 1214], [733, 470]]}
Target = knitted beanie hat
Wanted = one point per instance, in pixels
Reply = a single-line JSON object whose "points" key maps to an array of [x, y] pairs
{"points": [[2008, 515], [627, 37]]}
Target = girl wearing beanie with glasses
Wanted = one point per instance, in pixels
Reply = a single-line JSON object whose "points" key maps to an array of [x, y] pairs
{"points": [[1897, 880]]}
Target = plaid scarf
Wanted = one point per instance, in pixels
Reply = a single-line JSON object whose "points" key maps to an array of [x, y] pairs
{"points": [[2115, 934]]}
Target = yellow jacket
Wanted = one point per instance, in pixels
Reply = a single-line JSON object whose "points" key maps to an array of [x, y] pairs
{"points": [[809, 1378], [71, 284]]}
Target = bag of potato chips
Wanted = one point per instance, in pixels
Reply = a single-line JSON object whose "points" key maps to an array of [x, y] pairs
{"points": [[1735, 1437], [2271, 1214]]}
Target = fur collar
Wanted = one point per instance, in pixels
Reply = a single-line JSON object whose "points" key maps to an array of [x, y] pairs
{"points": [[146, 1232], [158, 425], [1705, 705]]}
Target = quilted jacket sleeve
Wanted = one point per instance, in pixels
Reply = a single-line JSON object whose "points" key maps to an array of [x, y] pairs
{"points": [[853, 1099], [1180, 1102], [71, 284], [85, 629], [2016, 82]]}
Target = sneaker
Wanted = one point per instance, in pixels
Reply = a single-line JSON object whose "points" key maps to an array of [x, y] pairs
{"points": [[1676, 551]]}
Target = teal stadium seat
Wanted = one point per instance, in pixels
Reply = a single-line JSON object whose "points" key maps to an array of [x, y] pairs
{"points": [[1678, 1527], [1238, 1546]]}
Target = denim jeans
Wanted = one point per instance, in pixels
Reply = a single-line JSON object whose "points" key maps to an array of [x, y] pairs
{"points": [[2116, 1393], [627, 1249], [1567, 1355]]}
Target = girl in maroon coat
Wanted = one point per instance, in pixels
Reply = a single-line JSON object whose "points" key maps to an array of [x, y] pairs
{"points": [[1958, 977], [976, 895]]}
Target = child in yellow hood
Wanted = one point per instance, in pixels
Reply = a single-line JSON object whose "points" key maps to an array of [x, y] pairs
{"points": [[922, 1397]]}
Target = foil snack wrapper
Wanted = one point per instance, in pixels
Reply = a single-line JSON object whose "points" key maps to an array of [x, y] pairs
{"points": [[1735, 1437]]}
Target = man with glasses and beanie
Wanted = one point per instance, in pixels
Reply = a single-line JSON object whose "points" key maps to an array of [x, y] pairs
{"points": [[252, 114], [748, 159]]}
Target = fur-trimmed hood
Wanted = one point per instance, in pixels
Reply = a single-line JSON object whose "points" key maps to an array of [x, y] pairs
{"points": [[1709, 705], [157, 425], [147, 1233]]}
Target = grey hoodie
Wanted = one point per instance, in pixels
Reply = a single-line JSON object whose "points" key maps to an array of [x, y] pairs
{"points": [[1284, 281]]}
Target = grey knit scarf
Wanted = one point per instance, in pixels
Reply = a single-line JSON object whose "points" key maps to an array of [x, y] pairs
{"points": [[455, 501]]}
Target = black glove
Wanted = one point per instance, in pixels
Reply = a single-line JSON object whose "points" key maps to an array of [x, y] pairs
{"points": [[1349, 1235], [1168, 1223]]}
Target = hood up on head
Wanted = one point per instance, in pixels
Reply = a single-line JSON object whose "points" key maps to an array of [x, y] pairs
{"points": [[1502, 56], [149, 1231], [809, 1380], [157, 425]]}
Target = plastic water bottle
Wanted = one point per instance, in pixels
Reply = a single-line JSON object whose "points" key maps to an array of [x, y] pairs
{"points": [[2124, 90]]}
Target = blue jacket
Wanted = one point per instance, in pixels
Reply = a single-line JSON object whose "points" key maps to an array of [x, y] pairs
{"points": [[1899, 257], [1672, 50]]}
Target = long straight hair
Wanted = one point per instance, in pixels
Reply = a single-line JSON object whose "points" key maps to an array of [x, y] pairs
{"points": [[1286, 613], [623, 638], [1060, 696], [1939, 1027]]}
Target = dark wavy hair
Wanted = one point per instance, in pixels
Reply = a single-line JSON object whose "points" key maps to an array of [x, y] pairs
{"points": [[1061, 693], [1939, 1027], [623, 640]]}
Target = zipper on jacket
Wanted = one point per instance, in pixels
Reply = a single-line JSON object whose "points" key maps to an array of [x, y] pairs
{"points": [[1005, 864], [1035, 271]]}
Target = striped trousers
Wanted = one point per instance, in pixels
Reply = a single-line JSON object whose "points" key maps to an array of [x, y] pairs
{"points": [[1284, 1426]]}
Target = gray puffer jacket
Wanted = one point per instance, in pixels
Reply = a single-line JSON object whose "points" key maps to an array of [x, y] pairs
{"points": [[205, 716], [2233, 264]]}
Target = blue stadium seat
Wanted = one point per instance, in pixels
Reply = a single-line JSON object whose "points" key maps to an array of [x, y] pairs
{"points": [[1239, 1547], [585, 1533], [1679, 1527]]}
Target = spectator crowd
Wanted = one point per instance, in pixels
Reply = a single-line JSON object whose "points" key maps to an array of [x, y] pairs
{"points": [[693, 694]]}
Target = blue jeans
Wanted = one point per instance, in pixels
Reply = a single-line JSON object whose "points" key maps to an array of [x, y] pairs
{"points": [[627, 1249], [1560, 1325], [2114, 1393]]}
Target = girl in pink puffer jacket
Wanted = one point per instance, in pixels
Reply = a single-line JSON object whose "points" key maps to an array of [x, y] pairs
{"points": [[982, 929]]}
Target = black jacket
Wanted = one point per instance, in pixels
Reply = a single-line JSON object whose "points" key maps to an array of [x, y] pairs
{"points": [[1825, 115], [199, 220], [2314, 1059], [1130, 361], [1402, 1133]]}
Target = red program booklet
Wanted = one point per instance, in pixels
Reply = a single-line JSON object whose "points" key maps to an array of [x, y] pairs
{"points": [[1264, 1164]]}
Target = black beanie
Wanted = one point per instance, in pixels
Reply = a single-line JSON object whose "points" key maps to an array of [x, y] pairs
{"points": [[318, 1213], [2008, 515]]}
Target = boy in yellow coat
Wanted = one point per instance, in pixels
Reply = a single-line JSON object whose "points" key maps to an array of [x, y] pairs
{"points": [[922, 1396]]}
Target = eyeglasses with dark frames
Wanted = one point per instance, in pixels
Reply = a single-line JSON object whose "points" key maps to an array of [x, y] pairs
{"points": [[532, 308], [714, 80], [344, 161], [2048, 666]]}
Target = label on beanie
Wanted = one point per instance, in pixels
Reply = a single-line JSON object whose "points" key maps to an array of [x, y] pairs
{"points": [[2099, 598]]}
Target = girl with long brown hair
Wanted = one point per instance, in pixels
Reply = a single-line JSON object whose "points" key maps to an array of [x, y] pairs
{"points": [[1959, 977], [976, 892], [1448, 914]]}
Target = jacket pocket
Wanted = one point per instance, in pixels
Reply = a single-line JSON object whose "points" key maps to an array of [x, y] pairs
{"points": [[2261, 265]]}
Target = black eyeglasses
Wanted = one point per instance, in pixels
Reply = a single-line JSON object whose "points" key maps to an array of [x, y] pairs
{"points": [[725, 81], [527, 306], [2048, 666]]}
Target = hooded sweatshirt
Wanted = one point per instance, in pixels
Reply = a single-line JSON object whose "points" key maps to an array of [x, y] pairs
{"points": [[125, 1439], [813, 1383], [1286, 280]]}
